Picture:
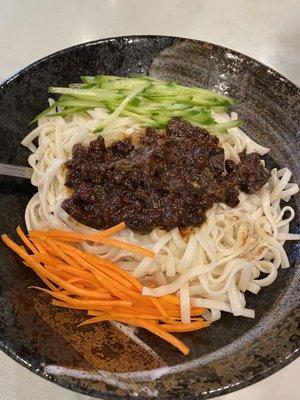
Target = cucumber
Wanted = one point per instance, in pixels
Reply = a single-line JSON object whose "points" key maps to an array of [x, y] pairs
{"points": [[150, 101], [220, 109], [121, 107], [144, 120], [44, 113], [226, 125], [128, 84], [99, 93], [69, 111], [73, 102], [99, 78]]}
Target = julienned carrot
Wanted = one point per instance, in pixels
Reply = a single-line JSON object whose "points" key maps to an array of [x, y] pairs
{"points": [[160, 308], [99, 302], [63, 304], [25, 240], [83, 281], [79, 237], [97, 261], [154, 328], [113, 230], [43, 271], [180, 327]]}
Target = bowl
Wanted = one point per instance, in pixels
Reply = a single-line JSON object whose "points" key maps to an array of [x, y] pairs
{"points": [[100, 360]]}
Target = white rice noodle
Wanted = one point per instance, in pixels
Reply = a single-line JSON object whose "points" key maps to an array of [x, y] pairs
{"points": [[215, 264]]}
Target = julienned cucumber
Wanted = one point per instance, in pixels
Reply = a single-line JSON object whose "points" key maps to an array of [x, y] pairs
{"points": [[122, 106], [149, 101]]}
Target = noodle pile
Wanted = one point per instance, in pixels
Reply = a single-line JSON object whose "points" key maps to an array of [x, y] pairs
{"points": [[211, 266]]}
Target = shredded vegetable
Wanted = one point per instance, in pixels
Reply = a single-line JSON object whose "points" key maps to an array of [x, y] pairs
{"points": [[83, 281], [147, 100]]}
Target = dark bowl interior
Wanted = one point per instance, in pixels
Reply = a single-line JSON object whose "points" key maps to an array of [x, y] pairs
{"points": [[234, 352]]}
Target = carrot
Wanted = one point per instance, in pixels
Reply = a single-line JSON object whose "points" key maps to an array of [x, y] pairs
{"points": [[55, 251], [60, 303], [78, 237], [96, 261], [189, 327], [100, 263], [160, 308], [114, 229], [166, 336], [82, 281], [51, 276], [87, 303], [142, 324], [25, 240], [87, 264], [128, 246], [47, 282]]}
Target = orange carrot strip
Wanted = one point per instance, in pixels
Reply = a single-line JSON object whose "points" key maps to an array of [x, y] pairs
{"points": [[146, 325], [128, 246], [112, 285], [53, 249], [97, 261], [47, 282], [63, 304], [62, 266], [170, 298], [26, 241], [113, 230], [160, 308], [193, 326], [87, 303], [87, 283], [109, 284], [94, 320], [51, 276], [77, 237], [39, 246], [166, 336], [105, 270], [58, 272]]}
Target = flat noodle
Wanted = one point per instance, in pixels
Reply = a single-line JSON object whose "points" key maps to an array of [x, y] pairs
{"points": [[218, 262]]}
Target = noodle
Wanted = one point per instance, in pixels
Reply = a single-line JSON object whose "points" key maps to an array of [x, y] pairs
{"points": [[213, 265]]}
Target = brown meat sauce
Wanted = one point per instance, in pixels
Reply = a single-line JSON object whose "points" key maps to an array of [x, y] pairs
{"points": [[164, 180]]}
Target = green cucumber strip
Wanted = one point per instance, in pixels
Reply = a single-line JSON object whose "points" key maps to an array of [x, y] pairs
{"points": [[99, 78], [226, 125], [140, 118], [191, 111], [161, 119], [121, 107], [148, 108], [174, 106], [99, 93], [83, 85], [205, 120], [146, 78], [217, 127], [128, 83], [80, 103], [184, 99], [173, 88], [220, 109], [147, 99], [69, 111], [43, 113]]}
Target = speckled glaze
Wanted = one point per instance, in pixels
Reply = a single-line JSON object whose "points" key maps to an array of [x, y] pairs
{"points": [[233, 353]]}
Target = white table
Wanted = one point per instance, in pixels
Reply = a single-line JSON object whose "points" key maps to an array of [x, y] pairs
{"points": [[267, 30]]}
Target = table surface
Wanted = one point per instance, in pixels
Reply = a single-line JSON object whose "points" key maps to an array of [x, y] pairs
{"points": [[267, 30]]}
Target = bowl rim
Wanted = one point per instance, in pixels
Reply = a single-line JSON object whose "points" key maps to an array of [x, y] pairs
{"points": [[262, 374]]}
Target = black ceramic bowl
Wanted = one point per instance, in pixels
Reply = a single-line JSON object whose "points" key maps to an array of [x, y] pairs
{"points": [[234, 352]]}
